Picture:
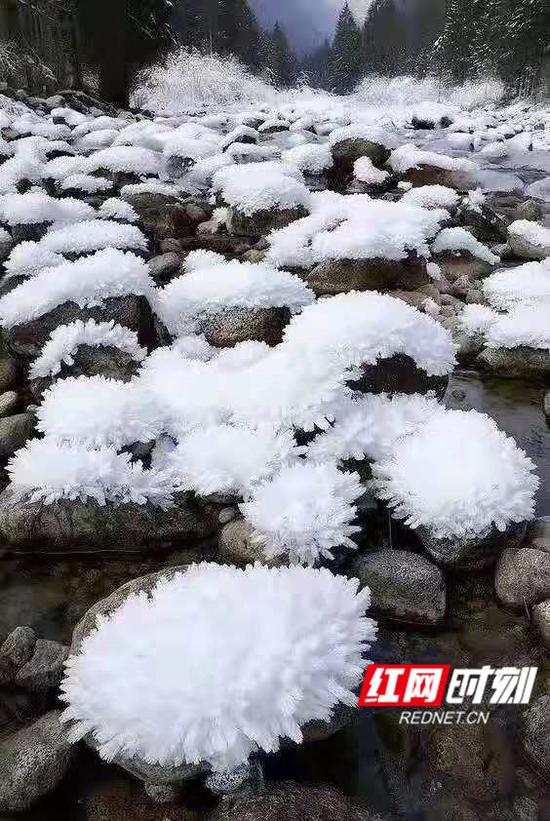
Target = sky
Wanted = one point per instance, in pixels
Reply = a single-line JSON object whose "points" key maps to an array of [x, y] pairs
{"points": [[307, 22]]}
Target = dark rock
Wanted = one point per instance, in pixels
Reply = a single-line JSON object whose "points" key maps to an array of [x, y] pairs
{"points": [[32, 762], [290, 801], [134, 312], [540, 615], [487, 225], [8, 403], [546, 406], [262, 222], [520, 362], [6, 244], [430, 175], [14, 432], [340, 276], [470, 554], [523, 577], [536, 732], [455, 266], [44, 670], [347, 151], [164, 266], [67, 525], [162, 216], [15, 652], [227, 328], [405, 587], [125, 800], [530, 210], [398, 374], [9, 372], [422, 124], [33, 231]]}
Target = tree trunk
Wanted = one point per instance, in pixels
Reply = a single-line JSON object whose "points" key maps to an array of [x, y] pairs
{"points": [[113, 64]]}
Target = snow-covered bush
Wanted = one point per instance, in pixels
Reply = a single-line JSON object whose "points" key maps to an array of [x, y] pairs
{"points": [[354, 227], [46, 471], [528, 284], [252, 187], [304, 512], [220, 681], [212, 284], [357, 328], [65, 340], [88, 282], [187, 81], [491, 483]]}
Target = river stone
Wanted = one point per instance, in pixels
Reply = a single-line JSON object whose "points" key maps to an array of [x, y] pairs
{"points": [[540, 615], [398, 374], [15, 652], [8, 403], [91, 360], [237, 545], [163, 267], [536, 732], [161, 215], [405, 587], [261, 222], [524, 249], [227, 328], [347, 151], [342, 275], [14, 432], [430, 175], [32, 762], [124, 799], [487, 225], [66, 525], [456, 266], [523, 577], [470, 554], [9, 372], [134, 312], [6, 244], [290, 801], [44, 670], [521, 362], [546, 405]]}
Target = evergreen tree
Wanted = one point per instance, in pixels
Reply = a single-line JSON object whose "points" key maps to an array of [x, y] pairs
{"points": [[279, 58], [346, 62]]}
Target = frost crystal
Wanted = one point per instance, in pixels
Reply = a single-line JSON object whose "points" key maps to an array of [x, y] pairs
{"points": [[305, 512], [527, 284], [220, 681], [251, 188], [458, 239]]}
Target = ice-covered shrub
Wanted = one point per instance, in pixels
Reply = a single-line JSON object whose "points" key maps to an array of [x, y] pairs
{"points": [[354, 227], [46, 471], [256, 187], [304, 512], [88, 282], [491, 482], [220, 681], [230, 459], [65, 340], [527, 284], [212, 284], [459, 239], [97, 411], [358, 328]]}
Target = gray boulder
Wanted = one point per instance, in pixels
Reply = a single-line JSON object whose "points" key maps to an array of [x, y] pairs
{"points": [[8, 403], [347, 151], [261, 222], [292, 802], [227, 328], [32, 762], [238, 547], [523, 577], [6, 244], [9, 372], [536, 732], [134, 312], [163, 267], [405, 587], [486, 223], [470, 554], [65, 525], [525, 249], [521, 362], [14, 432], [430, 175], [44, 670], [343, 275], [16, 651], [540, 615], [454, 267]]}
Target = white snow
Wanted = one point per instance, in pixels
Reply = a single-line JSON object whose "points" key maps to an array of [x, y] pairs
{"points": [[526, 284], [261, 187], [310, 158], [365, 171], [459, 239], [36, 206], [432, 196], [407, 157], [360, 131], [227, 680]]}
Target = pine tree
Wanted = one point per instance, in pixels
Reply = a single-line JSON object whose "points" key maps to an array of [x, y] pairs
{"points": [[347, 53], [280, 59]]}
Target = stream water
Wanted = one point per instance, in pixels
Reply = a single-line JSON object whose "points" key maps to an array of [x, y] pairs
{"points": [[373, 758]]}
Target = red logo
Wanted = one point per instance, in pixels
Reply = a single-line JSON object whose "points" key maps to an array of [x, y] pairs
{"points": [[404, 685]]}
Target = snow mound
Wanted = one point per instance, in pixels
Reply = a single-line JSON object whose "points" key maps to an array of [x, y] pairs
{"points": [[354, 227], [220, 681], [459, 239], [304, 512], [527, 284], [211, 284], [532, 233], [124, 159], [254, 187], [310, 158], [46, 471], [365, 171], [407, 157], [35, 206], [491, 483], [86, 183], [360, 131], [230, 460], [65, 340], [93, 235], [432, 196], [88, 282], [360, 328]]}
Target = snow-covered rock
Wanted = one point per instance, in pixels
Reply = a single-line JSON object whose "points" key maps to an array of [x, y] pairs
{"points": [[529, 240]]}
